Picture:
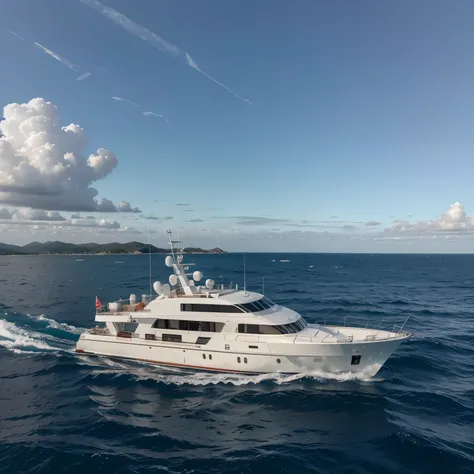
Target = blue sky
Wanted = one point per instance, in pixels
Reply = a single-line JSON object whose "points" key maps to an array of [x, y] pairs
{"points": [[360, 112]]}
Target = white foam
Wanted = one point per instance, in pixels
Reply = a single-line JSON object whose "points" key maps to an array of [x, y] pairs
{"points": [[176, 376], [62, 326], [15, 338]]}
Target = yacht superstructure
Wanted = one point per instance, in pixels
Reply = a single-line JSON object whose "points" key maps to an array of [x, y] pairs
{"points": [[201, 326]]}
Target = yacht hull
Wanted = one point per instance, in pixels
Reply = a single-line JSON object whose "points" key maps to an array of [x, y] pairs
{"points": [[367, 357]]}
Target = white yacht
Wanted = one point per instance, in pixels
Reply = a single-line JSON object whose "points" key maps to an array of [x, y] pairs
{"points": [[200, 326]]}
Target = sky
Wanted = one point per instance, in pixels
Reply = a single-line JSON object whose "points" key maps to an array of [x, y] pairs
{"points": [[315, 126]]}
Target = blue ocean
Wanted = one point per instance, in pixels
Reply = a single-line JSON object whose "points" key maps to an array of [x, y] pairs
{"points": [[62, 412]]}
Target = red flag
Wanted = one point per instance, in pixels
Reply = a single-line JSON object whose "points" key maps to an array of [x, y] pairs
{"points": [[98, 304]]}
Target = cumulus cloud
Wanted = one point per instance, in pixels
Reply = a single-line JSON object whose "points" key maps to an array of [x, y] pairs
{"points": [[124, 206], [5, 213], [106, 205], [41, 163], [101, 223], [38, 215], [453, 220]]}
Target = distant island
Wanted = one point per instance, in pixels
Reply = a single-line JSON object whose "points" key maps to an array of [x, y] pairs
{"points": [[64, 248]]}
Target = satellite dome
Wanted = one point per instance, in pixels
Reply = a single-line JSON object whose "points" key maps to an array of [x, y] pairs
{"points": [[166, 289], [157, 287], [173, 279], [209, 284], [197, 275], [169, 261]]}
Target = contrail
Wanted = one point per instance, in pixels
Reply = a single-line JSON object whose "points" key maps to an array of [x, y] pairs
{"points": [[152, 114], [121, 99], [17, 35], [151, 38], [59, 58], [84, 76]]}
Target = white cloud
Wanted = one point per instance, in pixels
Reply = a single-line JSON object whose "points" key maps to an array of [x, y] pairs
{"points": [[41, 163], [5, 213], [151, 38], [59, 58], [454, 220], [106, 224], [106, 205], [152, 114], [121, 99], [84, 76], [124, 206], [37, 215]]}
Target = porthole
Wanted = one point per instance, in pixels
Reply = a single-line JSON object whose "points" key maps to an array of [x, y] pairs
{"points": [[210, 356], [278, 361], [238, 360], [245, 360], [204, 356], [355, 360]]}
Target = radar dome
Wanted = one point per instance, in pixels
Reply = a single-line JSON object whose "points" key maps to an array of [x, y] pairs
{"points": [[166, 289], [173, 279], [209, 284], [197, 275], [169, 261], [157, 287]]}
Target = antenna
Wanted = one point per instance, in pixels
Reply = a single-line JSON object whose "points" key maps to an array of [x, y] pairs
{"points": [[149, 257], [245, 276], [263, 286]]}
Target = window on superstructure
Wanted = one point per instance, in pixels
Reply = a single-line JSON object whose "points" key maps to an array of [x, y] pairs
{"points": [[183, 325], [210, 308], [290, 328], [161, 324], [256, 306]]}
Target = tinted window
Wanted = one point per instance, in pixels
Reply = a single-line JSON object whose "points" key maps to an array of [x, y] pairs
{"points": [[255, 306], [182, 325], [161, 324], [210, 308], [171, 337]]}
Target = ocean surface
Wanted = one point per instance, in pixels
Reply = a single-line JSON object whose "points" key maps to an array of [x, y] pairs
{"points": [[67, 413]]}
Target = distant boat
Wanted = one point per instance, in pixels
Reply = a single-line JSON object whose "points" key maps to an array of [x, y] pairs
{"points": [[284, 261]]}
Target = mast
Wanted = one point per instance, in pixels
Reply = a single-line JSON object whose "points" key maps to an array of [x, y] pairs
{"points": [[178, 268]]}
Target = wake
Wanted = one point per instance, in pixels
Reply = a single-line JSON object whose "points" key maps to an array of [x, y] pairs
{"points": [[29, 335], [144, 372], [20, 338]]}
